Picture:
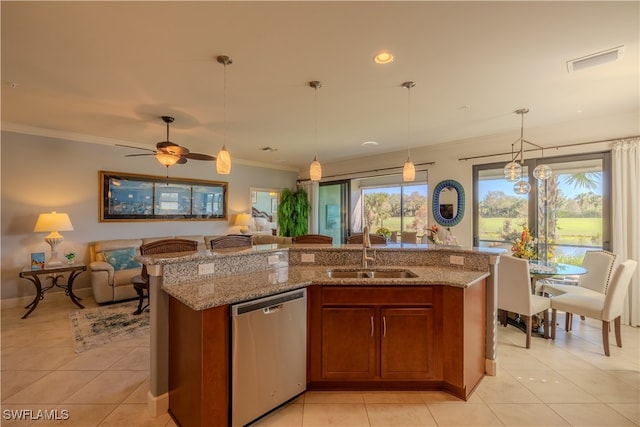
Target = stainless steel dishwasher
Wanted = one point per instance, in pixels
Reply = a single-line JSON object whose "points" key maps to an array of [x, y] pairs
{"points": [[268, 354]]}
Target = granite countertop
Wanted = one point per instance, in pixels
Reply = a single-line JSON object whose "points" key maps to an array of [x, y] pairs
{"points": [[218, 291]]}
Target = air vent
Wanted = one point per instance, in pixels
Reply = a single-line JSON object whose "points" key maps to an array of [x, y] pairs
{"points": [[609, 55], [269, 149]]}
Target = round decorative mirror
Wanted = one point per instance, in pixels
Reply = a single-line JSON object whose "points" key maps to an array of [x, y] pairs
{"points": [[448, 203]]}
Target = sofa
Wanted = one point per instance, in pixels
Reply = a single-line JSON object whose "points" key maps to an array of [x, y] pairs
{"points": [[113, 266]]}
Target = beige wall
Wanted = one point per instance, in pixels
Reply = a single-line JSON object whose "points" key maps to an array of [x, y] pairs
{"points": [[42, 174]]}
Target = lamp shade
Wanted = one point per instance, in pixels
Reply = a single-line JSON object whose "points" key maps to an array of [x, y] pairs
{"points": [[542, 172], [522, 187], [512, 171], [53, 222], [243, 219], [167, 159], [223, 162], [408, 171], [315, 170]]}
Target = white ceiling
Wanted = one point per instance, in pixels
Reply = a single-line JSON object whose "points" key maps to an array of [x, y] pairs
{"points": [[105, 71]]}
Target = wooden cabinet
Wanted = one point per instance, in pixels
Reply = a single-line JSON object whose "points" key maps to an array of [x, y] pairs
{"points": [[407, 343], [348, 343], [377, 342], [396, 337], [370, 333]]}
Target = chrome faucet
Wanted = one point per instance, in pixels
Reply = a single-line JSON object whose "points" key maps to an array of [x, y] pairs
{"points": [[366, 243]]}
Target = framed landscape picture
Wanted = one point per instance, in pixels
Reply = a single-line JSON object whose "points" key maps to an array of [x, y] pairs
{"points": [[132, 197]]}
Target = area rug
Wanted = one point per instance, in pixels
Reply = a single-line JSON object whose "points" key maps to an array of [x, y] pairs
{"points": [[93, 327]]}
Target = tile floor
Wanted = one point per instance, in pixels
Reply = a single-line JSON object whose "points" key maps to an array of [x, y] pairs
{"points": [[561, 383]]}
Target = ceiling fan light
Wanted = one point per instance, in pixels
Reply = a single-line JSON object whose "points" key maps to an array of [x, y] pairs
{"points": [[542, 172], [166, 159], [408, 171], [315, 170], [522, 187], [512, 171], [223, 162]]}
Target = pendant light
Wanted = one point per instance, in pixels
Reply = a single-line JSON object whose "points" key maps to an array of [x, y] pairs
{"points": [[512, 170], [223, 159], [542, 172], [315, 168], [409, 169]]}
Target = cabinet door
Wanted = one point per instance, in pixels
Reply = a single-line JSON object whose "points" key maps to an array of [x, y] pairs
{"points": [[407, 349], [348, 337]]}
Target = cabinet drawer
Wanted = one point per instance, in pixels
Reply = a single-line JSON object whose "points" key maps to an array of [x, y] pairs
{"points": [[381, 295]]}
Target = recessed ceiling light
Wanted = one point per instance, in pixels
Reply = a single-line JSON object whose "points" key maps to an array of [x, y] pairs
{"points": [[366, 143], [383, 58]]}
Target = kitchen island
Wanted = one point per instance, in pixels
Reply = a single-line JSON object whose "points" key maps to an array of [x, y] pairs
{"points": [[428, 331]]}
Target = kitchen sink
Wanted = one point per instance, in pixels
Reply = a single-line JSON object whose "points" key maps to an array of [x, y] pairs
{"points": [[370, 274]]}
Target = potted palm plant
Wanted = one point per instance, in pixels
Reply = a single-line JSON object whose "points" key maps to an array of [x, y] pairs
{"points": [[293, 213]]}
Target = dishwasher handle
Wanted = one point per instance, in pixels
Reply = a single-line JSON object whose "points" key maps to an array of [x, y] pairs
{"points": [[272, 309], [267, 304]]}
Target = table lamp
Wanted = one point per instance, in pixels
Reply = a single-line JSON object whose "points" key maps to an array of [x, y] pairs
{"points": [[53, 222], [243, 220]]}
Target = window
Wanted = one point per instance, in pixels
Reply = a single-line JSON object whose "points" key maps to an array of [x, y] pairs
{"points": [[572, 208], [403, 209]]}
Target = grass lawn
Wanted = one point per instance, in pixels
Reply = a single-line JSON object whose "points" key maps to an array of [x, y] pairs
{"points": [[581, 231]]}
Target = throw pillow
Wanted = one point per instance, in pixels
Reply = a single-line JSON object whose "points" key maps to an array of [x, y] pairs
{"points": [[121, 259]]}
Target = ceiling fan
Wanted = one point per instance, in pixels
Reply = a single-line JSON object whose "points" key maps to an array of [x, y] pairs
{"points": [[169, 153]]}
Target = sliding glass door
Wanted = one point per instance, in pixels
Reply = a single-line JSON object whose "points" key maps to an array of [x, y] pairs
{"points": [[333, 210]]}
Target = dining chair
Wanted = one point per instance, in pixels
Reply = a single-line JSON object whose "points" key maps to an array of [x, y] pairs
{"points": [[599, 265], [605, 307], [312, 238], [375, 239], [231, 241], [409, 237], [514, 293], [163, 246]]}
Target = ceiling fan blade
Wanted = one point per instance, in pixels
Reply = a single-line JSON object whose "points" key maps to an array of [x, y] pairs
{"points": [[182, 161], [138, 155], [198, 156], [137, 148]]}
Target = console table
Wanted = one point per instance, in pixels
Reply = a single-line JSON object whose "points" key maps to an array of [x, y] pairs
{"points": [[53, 274]]}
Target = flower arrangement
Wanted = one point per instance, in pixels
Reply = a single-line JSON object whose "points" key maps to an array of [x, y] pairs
{"points": [[70, 256], [383, 231], [525, 246], [434, 235]]}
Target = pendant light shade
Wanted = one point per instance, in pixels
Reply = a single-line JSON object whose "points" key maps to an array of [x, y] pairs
{"points": [[315, 170], [512, 172], [522, 187], [408, 171], [223, 161], [542, 172]]}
